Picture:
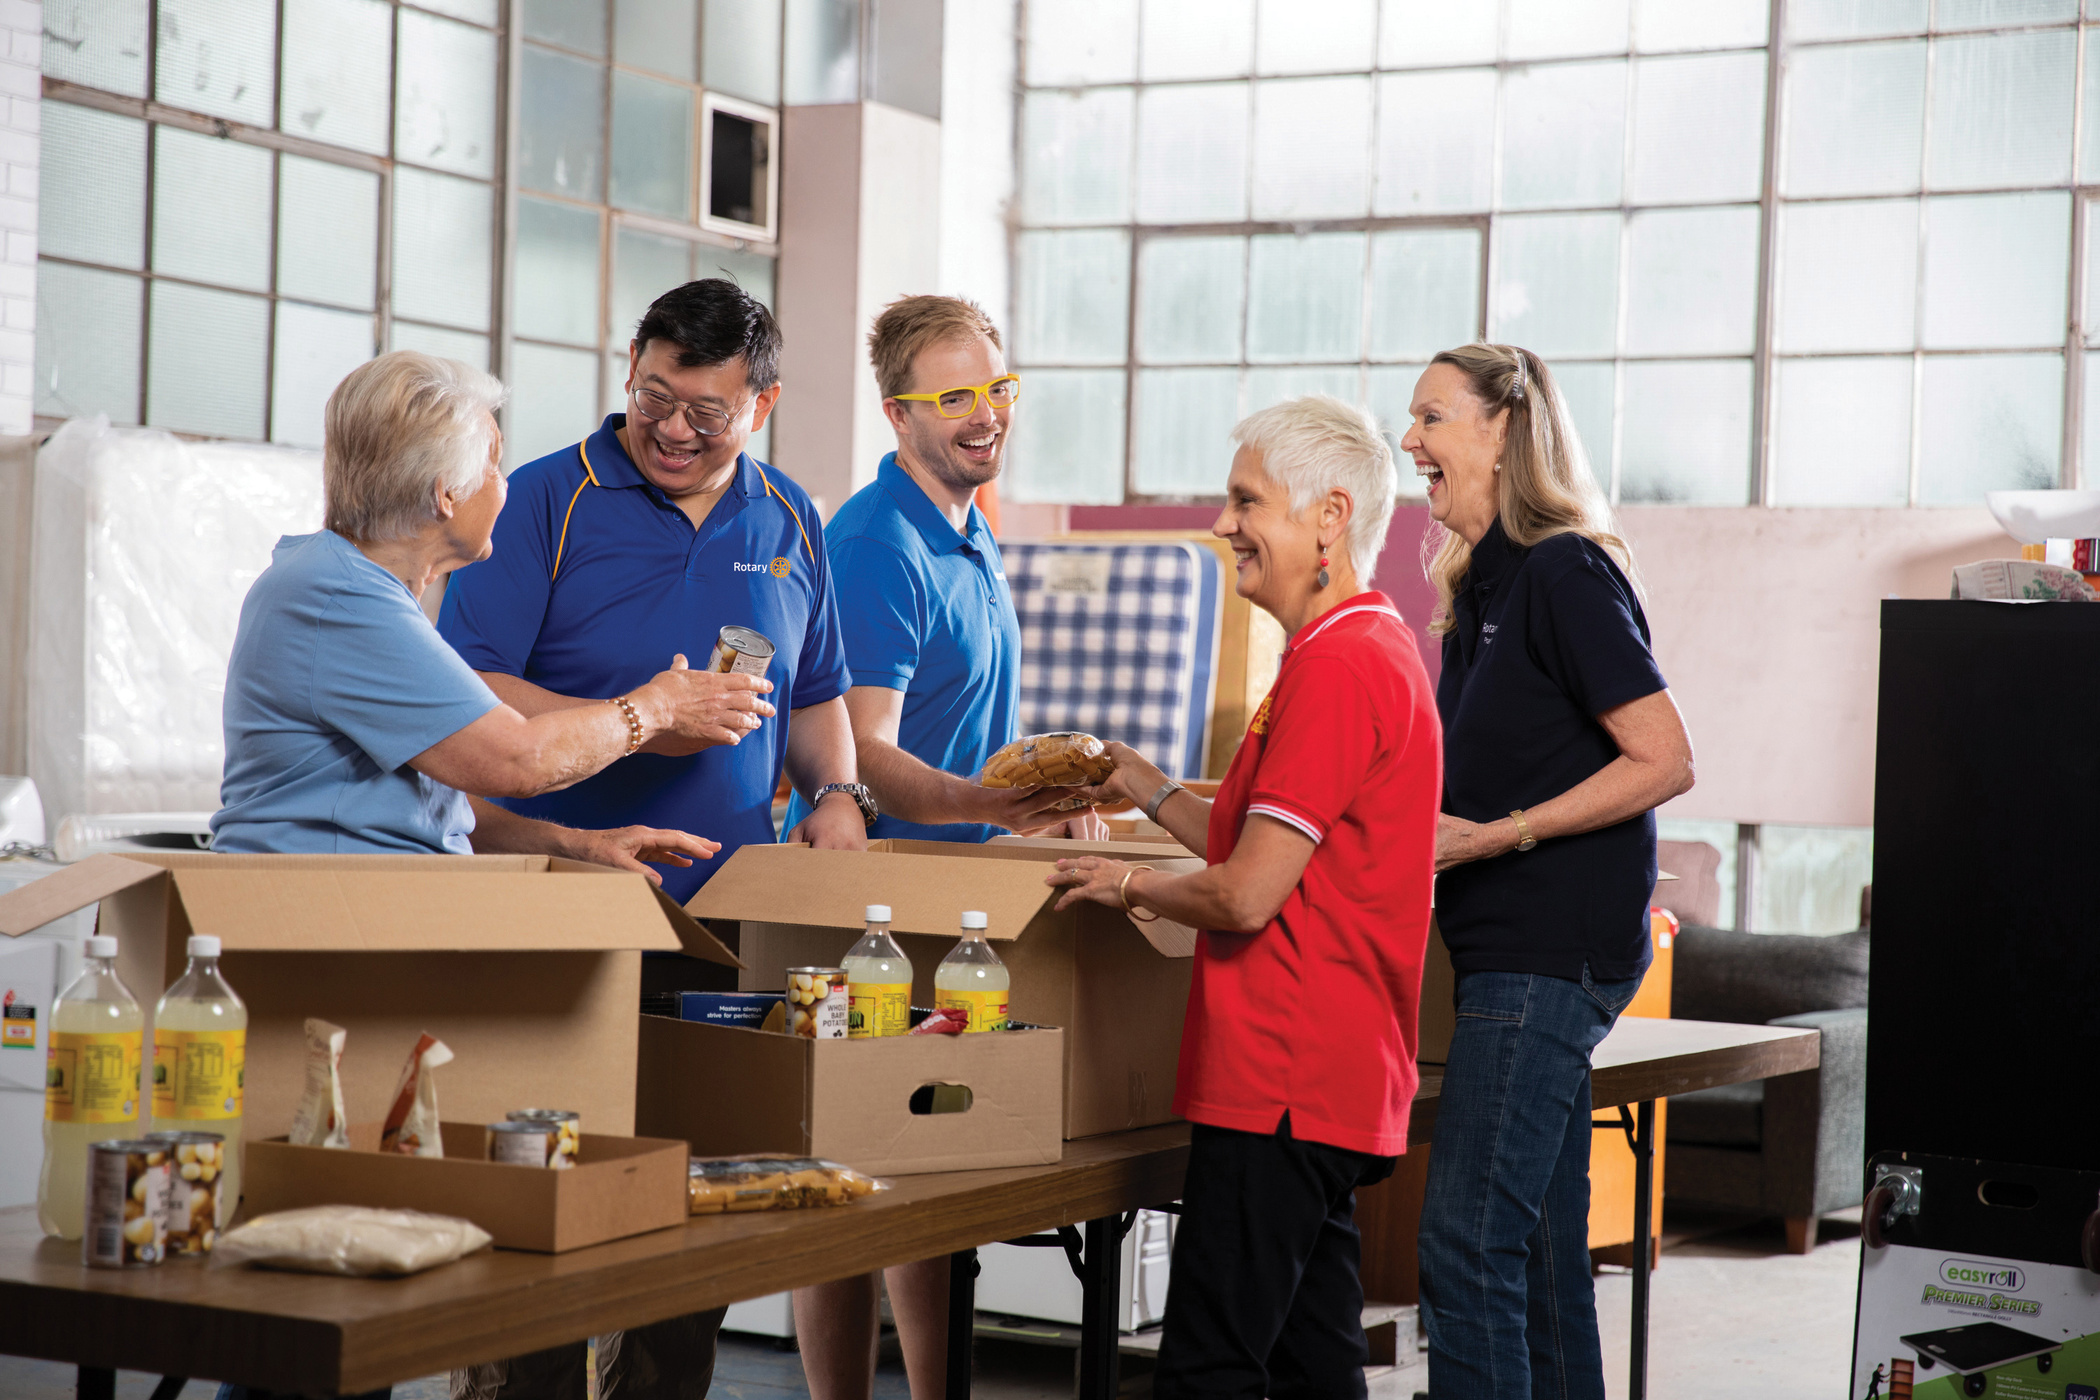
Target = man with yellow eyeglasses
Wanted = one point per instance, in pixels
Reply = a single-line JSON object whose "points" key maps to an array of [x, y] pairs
{"points": [[935, 651]]}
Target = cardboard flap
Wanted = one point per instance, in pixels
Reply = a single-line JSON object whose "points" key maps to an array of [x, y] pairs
{"points": [[76, 887], [1168, 939], [699, 943], [832, 889], [273, 908]]}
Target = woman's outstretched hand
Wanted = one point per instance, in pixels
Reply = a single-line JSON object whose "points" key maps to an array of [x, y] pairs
{"points": [[1134, 781], [1089, 878]]}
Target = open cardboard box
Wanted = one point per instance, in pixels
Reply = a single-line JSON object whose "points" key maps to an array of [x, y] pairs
{"points": [[529, 968], [1117, 988], [619, 1186], [728, 1090]]}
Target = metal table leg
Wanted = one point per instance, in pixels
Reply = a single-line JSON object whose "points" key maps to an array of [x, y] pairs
{"points": [[1643, 1215], [1100, 1282], [962, 1321], [95, 1383]]}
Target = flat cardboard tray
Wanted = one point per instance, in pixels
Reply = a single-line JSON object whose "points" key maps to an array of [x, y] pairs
{"points": [[620, 1186]]}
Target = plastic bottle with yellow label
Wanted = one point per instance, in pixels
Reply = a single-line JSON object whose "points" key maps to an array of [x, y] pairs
{"points": [[200, 1053], [972, 978], [878, 981], [91, 1083]]}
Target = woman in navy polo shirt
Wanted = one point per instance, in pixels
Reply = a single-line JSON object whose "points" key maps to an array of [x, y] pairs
{"points": [[1298, 1053], [1560, 739]]}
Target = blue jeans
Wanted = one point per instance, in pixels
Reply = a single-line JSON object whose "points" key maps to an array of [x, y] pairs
{"points": [[1507, 1301]]}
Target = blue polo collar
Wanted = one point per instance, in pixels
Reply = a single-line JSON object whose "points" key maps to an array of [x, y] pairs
{"points": [[614, 469], [911, 498]]}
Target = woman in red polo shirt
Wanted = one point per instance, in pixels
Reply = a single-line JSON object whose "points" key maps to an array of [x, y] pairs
{"points": [[1298, 1056]]}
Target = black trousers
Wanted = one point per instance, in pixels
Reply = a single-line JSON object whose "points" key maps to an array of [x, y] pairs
{"points": [[1265, 1299]]}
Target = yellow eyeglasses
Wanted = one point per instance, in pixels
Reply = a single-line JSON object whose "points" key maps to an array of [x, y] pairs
{"points": [[962, 402]]}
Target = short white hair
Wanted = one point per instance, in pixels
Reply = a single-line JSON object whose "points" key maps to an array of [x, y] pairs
{"points": [[1317, 443], [399, 430]]}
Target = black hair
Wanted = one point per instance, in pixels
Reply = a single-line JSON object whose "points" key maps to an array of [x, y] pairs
{"points": [[712, 321]]}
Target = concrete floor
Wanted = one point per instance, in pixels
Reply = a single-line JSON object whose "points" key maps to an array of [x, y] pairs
{"points": [[1735, 1317]]}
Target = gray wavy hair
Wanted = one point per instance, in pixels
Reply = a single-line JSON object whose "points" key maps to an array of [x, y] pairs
{"points": [[400, 431]]}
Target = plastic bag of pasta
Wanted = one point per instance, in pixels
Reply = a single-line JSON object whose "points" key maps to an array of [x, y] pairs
{"points": [[1063, 759], [718, 1185]]}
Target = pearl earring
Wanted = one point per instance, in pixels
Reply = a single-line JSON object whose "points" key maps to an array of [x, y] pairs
{"points": [[1323, 568]]}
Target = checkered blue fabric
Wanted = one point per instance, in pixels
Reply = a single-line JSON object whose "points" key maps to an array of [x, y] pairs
{"points": [[1120, 640]]}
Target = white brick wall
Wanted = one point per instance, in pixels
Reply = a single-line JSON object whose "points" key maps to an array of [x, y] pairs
{"points": [[21, 85]]}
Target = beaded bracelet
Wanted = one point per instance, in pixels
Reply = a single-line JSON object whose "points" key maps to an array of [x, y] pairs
{"points": [[634, 722]]}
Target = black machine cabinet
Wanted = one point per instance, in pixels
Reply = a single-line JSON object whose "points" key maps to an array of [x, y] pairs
{"points": [[1983, 1037]]}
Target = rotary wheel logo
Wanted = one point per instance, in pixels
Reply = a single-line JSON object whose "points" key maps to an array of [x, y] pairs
{"points": [[779, 567]]}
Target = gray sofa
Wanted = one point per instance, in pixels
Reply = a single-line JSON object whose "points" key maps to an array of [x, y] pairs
{"points": [[1790, 1146]]}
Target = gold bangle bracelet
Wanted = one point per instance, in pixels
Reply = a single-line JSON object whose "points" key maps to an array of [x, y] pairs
{"points": [[1123, 893]]}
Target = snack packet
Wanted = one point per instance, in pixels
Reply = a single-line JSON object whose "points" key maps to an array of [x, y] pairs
{"points": [[357, 1241], [1063, 759], [319, 1121], [412, 1123], [715, 1185], [946, 1020]]}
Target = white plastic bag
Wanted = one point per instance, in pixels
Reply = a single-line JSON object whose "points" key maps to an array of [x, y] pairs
{"points": [[412, 1123], [319, 1121], [355, 1241]]}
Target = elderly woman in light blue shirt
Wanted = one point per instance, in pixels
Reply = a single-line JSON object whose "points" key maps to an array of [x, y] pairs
{"points": [[351, 726]]}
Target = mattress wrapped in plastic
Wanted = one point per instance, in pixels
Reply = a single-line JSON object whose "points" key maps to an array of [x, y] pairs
{"points": [[144, 546]]}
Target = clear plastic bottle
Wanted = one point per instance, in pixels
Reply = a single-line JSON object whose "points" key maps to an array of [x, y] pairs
{"points": [[878, 981], [972, 977], [200, 1052], [91, 1083]]}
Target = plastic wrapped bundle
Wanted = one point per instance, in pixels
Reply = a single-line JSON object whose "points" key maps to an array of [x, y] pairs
{"points": [[144, 546]]}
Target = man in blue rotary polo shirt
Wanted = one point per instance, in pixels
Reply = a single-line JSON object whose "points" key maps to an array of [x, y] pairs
{"points": [[935, 649], [645, 540], [642, 541]]}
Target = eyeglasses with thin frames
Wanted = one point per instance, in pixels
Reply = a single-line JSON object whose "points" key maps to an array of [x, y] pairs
{"points": [[708, 422]]}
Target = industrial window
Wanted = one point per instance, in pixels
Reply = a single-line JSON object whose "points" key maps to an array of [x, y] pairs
{"points": [[1850, 285], [242, 200]]}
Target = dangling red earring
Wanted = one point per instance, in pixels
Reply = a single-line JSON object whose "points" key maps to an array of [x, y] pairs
{"points": [[1323, 569]]}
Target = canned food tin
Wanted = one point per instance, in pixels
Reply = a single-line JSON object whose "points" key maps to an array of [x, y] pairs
{"points": [[196, 1165], [567, 1128], [817, 1007], [127, 1204], [741, 651], [522, 1144]]}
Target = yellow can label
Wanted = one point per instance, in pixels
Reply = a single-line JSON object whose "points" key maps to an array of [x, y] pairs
{"points": [[93, 1076], [198, 1074], [877, 1008], [987, 1010]]}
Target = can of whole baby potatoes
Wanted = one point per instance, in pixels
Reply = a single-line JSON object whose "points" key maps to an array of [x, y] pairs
{"points": [[127, 1204], [196, 1165], [817, 1005]]}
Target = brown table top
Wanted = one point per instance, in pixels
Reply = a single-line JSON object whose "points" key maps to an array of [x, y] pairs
{"points": [[299, 1332]]}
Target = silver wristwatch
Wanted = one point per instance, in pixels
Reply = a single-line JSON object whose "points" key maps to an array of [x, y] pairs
{"points": [[1159, 799], [862, 798]]}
